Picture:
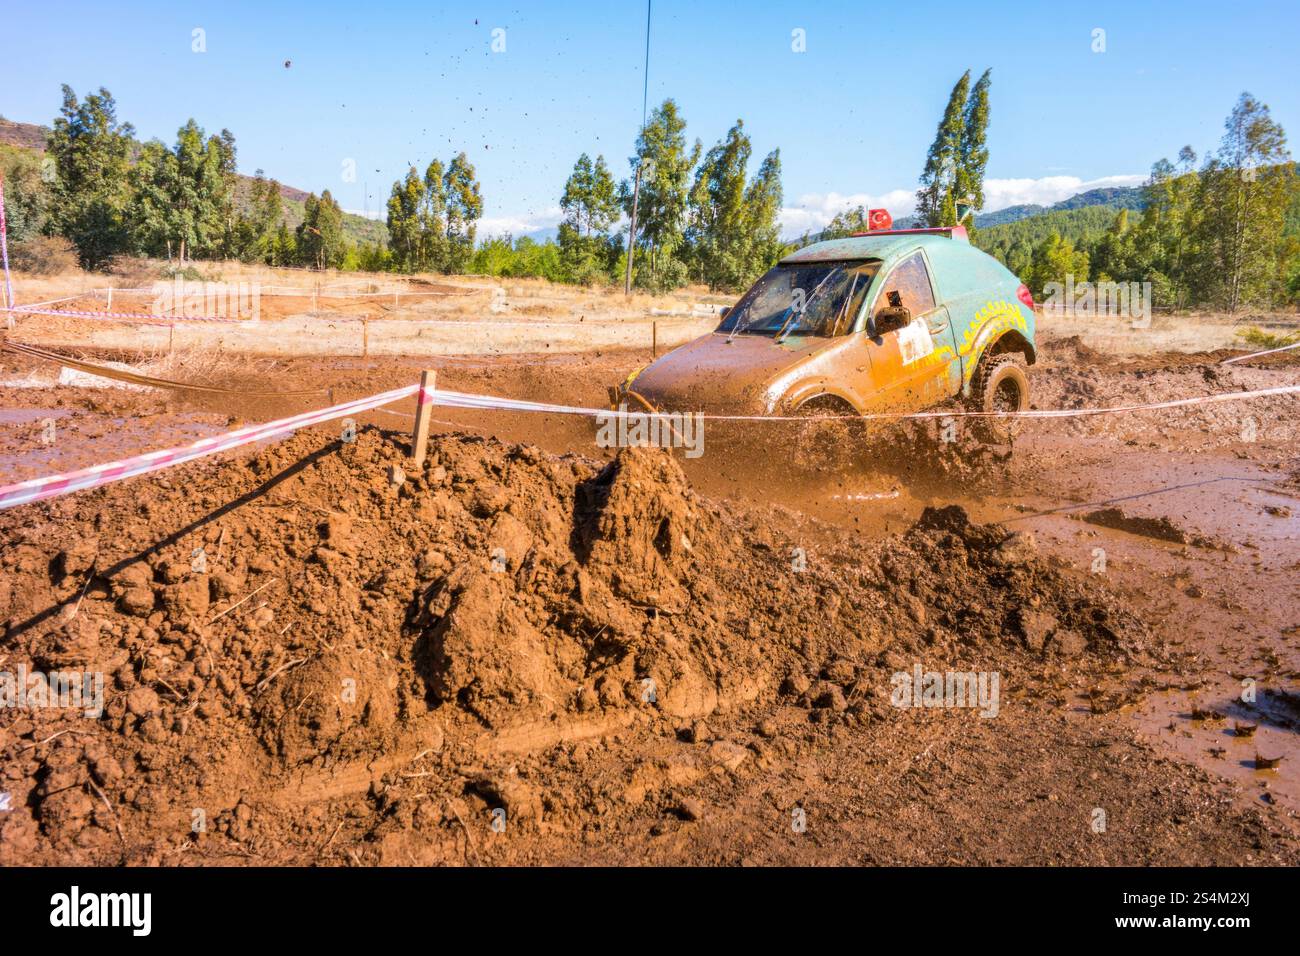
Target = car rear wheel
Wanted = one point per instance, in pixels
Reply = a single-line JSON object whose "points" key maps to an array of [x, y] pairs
{"points": [[1001, 385]]}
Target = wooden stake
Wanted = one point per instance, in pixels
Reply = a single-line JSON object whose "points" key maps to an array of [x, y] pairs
{"points": [[365, 336], [110, 298], [423, 410], [654, 339]]}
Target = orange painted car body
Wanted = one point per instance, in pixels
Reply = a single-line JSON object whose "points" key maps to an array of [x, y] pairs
{"points": [[963, 303]]}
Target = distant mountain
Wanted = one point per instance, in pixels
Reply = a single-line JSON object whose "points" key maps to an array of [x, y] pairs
{"points": [[1116, 197], [1111, 197], [356, 228], [1009, 214], [23, 135]]}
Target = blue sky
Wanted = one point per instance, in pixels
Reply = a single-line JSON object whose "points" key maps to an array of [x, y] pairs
{"points": [[387, 84]]}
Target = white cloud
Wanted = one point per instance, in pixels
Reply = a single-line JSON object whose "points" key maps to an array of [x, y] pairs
{"points": [[1001, 193], [492, 226], [815, 210]]}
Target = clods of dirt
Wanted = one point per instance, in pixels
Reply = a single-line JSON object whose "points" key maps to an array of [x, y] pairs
{"points": [[474, 631]]}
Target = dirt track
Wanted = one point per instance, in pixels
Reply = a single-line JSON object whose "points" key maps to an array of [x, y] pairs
{"points": [[521, 685]]}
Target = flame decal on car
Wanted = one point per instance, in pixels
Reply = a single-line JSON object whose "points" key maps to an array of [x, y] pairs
{"points": [[995, 318]]}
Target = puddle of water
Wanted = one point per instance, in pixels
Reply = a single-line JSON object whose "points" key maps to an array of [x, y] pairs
{"points": [[82, 444], [1214, 745]]}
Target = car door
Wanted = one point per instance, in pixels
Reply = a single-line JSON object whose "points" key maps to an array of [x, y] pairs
{"points": [[912, 367]]}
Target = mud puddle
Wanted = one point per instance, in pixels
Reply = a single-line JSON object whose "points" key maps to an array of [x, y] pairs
{"points": [[1214, 728]]}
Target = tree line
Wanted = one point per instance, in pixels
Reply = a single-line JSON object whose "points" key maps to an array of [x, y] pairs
{"points": [[432, 219], [108, 195], [1224, 234], [700, 215]]}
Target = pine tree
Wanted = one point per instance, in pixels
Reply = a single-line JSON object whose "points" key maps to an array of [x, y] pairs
{"points": [[733, 227], [1056, 260], [284, 251], [935, 204], [319, 241], [433, 219], [1164, 236], [590, 207], [90, 194], [404, 208], [464, 209], [182, 197], [973, 153], [268, 210], [1111, 257], [665, 163], [1245, 190], [762, 215]]}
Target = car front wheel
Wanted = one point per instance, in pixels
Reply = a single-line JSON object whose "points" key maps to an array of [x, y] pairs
{"points": [[1001, 385]]}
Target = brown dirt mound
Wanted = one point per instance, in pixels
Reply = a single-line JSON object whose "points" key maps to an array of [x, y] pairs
{"points": [[498, 602]]}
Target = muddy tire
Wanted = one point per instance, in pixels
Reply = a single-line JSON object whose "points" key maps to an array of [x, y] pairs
{"points": [[824, 442], [1001, 384]]}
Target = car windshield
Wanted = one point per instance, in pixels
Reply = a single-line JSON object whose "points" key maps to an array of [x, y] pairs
{"points": [[817, 298]]}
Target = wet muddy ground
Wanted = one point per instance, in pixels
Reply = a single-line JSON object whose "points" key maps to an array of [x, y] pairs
{"points": [[1129, 578]]}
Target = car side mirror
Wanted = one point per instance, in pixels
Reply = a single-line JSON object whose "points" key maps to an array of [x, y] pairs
{"points": [[722, 313], [891, 318]]}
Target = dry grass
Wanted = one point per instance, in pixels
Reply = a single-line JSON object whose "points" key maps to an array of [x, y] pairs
{"points": [[1259, 339], [200, 365], [1194, 332]]}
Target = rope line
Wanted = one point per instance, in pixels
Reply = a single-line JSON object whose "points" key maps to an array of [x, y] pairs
{"points": [[136, 378]]}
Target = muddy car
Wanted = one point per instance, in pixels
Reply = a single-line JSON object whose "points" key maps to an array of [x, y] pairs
{"points": [[888, 321]]}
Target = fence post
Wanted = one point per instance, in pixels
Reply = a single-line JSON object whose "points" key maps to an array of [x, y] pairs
{"points": [[365, 336], [423, 410], [654, 339], [110, 298]]}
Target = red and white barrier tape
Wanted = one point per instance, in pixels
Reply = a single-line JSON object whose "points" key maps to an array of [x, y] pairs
{"points": [[41, 305], [51, 486], [470, 400], [141, 318], [1242, 358]]}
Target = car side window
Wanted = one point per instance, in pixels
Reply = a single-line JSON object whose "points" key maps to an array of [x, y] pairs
{"points": [[909, 283]]}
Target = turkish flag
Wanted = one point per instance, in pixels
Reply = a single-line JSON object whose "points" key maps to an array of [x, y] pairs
{"points": [[880, 219]]}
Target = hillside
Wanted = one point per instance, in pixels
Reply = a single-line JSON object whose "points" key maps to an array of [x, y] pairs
{"points": [[1113, 198], [1110, 199], [1080, 225], [357, 229]]}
